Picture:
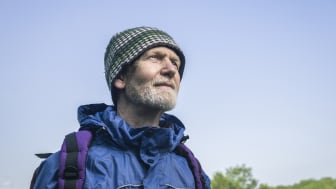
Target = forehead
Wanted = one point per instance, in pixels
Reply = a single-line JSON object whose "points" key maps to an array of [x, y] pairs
{"points": [[162, 50]]}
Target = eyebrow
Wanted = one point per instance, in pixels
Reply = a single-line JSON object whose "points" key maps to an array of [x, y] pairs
{"points": [[175, 57]]}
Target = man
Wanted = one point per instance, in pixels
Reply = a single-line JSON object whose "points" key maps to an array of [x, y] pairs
{"points": [[135, 141]]}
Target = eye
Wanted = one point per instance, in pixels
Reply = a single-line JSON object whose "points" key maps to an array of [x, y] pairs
{"points": [[176, 63], [154, 58]]}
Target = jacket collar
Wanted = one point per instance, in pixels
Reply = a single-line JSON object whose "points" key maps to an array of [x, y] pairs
{"points": [[151, 139]]}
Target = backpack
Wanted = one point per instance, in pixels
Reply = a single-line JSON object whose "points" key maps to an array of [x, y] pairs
{"points": [[73, 157]]}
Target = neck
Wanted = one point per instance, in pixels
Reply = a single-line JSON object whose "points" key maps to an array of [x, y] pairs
{"points": [[139, 116]]}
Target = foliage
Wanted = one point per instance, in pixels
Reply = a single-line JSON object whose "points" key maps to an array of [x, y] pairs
{"points": [[240, 177], [324, 183], [220, 181]]}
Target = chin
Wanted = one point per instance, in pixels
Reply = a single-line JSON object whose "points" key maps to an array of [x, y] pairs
{"points": [[164, 106]]}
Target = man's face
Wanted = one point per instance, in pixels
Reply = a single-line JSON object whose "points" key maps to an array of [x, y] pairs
{"points": [[154, 80]]}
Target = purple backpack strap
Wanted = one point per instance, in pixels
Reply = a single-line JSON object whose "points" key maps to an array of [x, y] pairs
{"points": [[194, 165], [73, 154]]}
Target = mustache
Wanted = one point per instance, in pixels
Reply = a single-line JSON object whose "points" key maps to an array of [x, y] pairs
{"points": [[164, 82]]}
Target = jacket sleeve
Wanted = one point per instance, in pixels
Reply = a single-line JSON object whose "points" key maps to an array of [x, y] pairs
{"points": [[47, 173], [207, 180]]}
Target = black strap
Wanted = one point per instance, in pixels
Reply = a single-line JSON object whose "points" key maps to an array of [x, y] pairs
{"points": [[71, 169], [43, 155]]}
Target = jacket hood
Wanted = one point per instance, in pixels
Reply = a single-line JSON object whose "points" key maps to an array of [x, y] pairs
{"points": [[151, 139]]}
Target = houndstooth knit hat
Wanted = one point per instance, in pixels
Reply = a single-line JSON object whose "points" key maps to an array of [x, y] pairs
{"points": [[128, 45]]}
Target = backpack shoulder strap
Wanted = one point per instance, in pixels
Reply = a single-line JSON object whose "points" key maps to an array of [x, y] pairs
{"points": [[73, 159], [193, 163]]}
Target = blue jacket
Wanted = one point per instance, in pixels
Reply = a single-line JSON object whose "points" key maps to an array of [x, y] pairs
{"points": [[124, 157]]}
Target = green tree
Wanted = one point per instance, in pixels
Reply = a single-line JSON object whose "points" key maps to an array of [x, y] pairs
{"points": [[242, 175], [324, 183], [238, 177], [265, 186], [219, 181]]}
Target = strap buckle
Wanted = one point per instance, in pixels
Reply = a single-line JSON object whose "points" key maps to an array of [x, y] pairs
{"points": [[71, 173]]}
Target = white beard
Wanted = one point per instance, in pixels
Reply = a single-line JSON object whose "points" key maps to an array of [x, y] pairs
{"points": [[151, 96]]}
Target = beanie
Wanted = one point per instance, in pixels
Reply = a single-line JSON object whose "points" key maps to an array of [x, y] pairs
{"points": [[125, 47]]}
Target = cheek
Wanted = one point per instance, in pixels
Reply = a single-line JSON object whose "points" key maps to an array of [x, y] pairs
{"points": [[140, 78], [177, 83], [147, 74], [177, 79]]}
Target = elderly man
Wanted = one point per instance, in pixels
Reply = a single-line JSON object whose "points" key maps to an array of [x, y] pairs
{"points": [[135, 143]]}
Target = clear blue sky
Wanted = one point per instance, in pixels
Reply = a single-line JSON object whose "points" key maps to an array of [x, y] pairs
{"points": [[259, 86]]}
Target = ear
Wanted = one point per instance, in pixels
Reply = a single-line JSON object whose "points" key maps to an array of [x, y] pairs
{"points": [[119, 82]]}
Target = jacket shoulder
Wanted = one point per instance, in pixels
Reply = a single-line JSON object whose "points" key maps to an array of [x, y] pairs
{"points": [[46, 175]]}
